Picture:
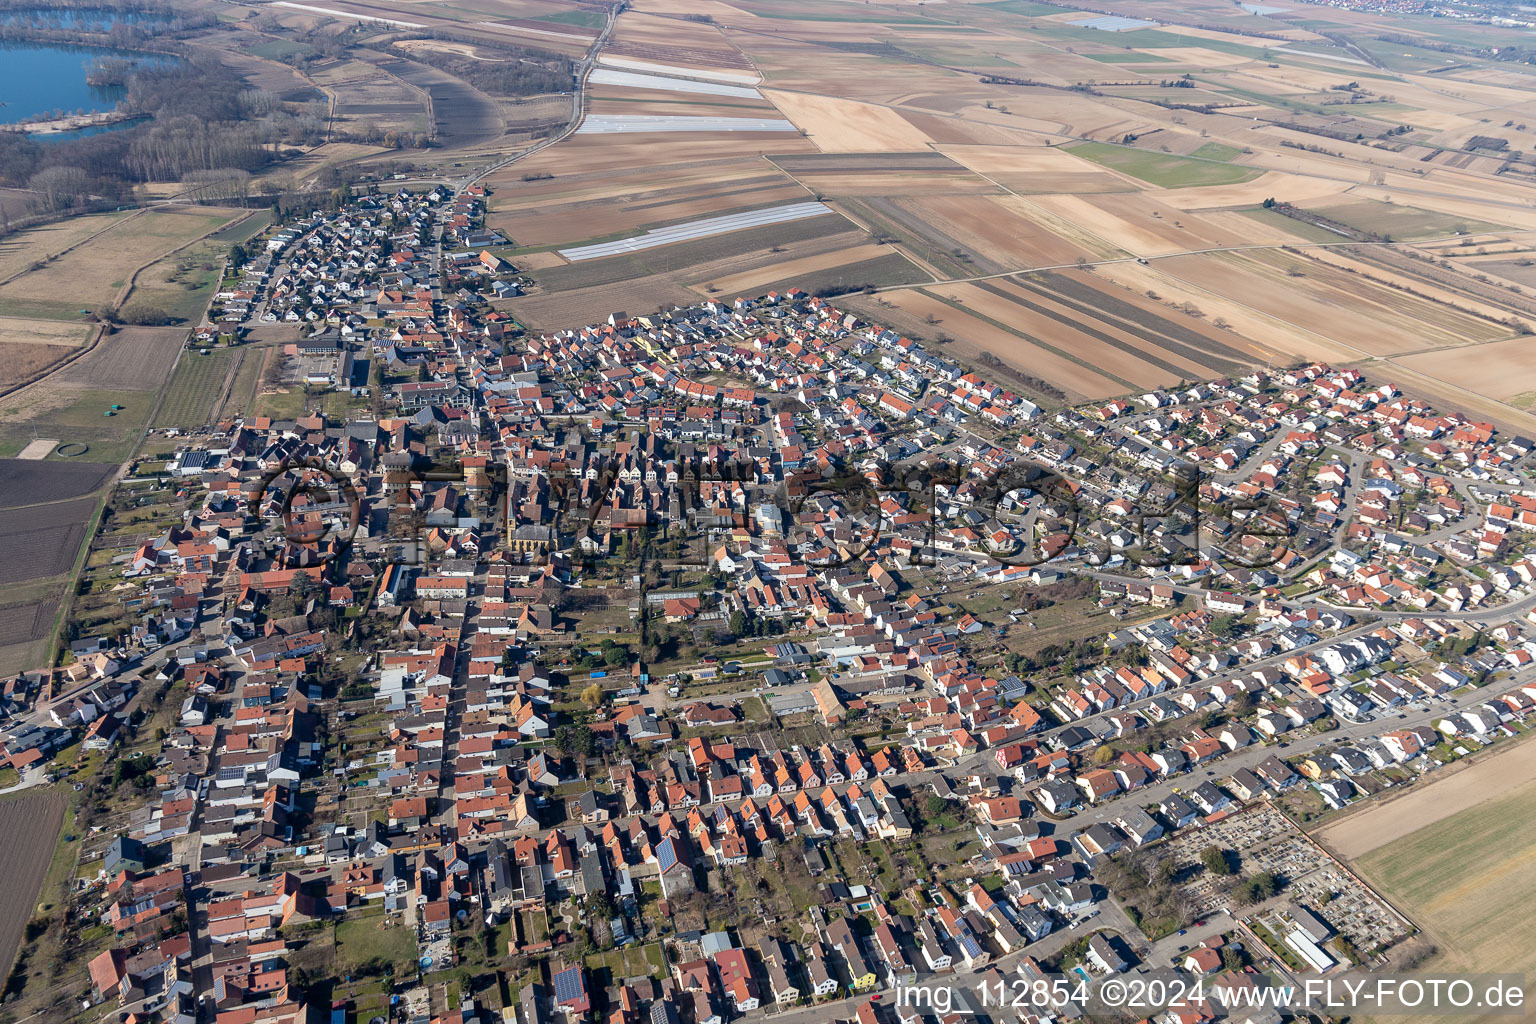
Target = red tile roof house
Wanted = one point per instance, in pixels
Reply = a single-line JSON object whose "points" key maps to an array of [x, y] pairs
{"points": [[736, 979]]}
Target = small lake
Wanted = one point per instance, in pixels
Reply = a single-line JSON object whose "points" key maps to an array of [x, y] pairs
{"points": [[38, 79]]}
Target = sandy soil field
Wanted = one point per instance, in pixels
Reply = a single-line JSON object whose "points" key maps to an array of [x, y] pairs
{"points": [[746, 283], [1271, 183], [1037, 170], [1370, 319], [1199, 56], [1140, 223], [997, 228], [972, 336], [1274, 337], [846, 126], [1500, 370]]}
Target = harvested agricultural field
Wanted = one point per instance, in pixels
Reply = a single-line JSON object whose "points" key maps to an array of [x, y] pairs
{"points": [[43, 332], [669, 123], [1502, 370], [970, 236], [836, 125], [918, 314], [683, 255], [1140, 223], [1031, 170], [464, 116], [367, 97], [864, 163], [29, 832], [38, 541], [131, 358], [883, 174], [574, 214], [90, 275], [755, 282], [1373, 319], [27, 482], [1015, 308], [994, 233], [573, 307], [1161, 169], [877, 272], [1117, 312]]}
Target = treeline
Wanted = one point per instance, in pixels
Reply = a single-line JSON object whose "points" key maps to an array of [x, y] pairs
{"points": [[31, 21], [522, 72], [326, 41]]}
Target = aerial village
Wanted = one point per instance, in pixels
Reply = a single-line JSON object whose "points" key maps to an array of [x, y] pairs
{"points": [[751, 658]]}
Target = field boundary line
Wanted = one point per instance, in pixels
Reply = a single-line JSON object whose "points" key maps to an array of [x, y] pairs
{"points": [[56, 366], [75, 245], [126, 290]]}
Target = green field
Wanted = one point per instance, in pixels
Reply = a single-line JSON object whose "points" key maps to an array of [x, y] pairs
{"points": [[1216, 151], [585, 19], [195, 386], [789, 11], [1300, 228], [1468, 881], [280, 406], [1027, 8], [1398, 222], [1162, 169], [1128, 57], [82, 418]]}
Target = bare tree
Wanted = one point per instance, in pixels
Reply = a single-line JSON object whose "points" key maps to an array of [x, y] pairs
{"points": [[61, 187]]}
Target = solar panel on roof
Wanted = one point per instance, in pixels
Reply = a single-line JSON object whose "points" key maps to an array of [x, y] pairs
{"points": [[666, 854], [570, 985]]}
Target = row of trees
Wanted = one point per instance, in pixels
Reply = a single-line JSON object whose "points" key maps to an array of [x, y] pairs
{"points": [[520, 72]]}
